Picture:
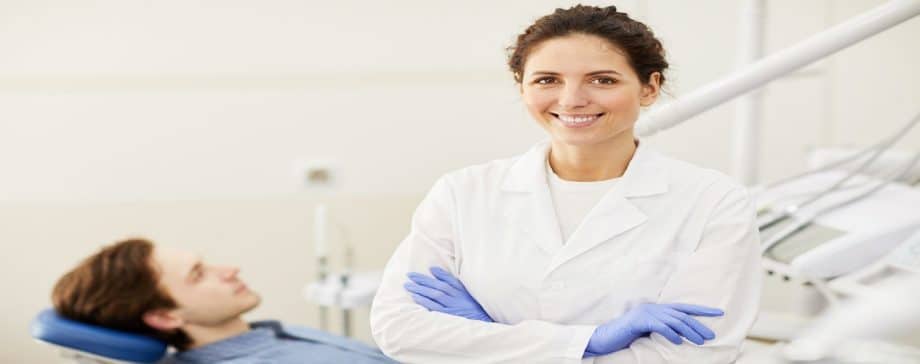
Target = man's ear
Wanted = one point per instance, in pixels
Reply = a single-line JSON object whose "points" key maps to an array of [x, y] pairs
{"points": [[163, 320]]}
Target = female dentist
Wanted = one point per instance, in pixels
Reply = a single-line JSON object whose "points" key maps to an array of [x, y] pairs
{"points": [[588, 247]]}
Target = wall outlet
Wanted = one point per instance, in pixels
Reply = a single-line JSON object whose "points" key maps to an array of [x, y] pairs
{"points": [[317, 174]]}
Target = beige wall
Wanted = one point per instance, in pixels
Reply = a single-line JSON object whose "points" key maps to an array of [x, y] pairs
{"points": [[184, 121], [124, 100]]}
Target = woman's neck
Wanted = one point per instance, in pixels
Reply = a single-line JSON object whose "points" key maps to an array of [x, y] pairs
{"points": [[592, 163]]}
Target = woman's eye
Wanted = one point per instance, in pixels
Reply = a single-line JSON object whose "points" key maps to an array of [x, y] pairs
{"points": [[604, 81], [545, 81]]}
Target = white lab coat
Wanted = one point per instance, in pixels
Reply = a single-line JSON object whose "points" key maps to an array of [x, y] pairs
{"points": [[667, 232]]}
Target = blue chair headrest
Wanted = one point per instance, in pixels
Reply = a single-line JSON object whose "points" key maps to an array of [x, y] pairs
{"points": [[52, 328]]}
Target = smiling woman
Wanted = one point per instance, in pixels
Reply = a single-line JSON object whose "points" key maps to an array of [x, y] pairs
{"points": [[587, 106], [590, 105], [589, 245]]}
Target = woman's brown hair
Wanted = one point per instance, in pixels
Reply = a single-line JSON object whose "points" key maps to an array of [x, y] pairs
{"points": [[645, 53]]}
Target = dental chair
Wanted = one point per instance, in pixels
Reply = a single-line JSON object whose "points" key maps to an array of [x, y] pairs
{"points": [[84, 343]]}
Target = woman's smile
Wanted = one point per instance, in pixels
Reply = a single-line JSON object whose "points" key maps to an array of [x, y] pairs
{"points": [[576, 121]]}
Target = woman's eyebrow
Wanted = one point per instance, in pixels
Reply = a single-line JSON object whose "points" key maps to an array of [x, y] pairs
{"points": [[604, 71], [551, 73]]}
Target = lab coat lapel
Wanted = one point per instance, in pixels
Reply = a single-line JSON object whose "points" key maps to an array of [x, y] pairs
{"points": [[534, 216], [615, 214], [545, 226]]}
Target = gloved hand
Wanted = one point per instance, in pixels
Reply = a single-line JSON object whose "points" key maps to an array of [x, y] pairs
{"points": [[672, 321], [444, 293]]}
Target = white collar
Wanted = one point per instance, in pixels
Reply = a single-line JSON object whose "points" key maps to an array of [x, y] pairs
{"points": [[643, 176]]}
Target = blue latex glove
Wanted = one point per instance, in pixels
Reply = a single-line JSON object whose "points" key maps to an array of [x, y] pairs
{"points": [[672, 321], [444, 293]]}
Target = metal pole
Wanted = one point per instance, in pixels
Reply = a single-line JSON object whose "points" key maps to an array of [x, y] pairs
{"points": [[772, 67], [746, 129]]}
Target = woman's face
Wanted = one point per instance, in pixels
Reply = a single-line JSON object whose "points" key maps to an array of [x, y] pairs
{"points": [[582, 90]]}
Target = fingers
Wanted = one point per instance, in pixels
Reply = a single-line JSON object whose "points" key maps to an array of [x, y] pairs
{"points": [[704, 331], [432, 283], [448, 278], [680, 327], [427, 292], [427, 303], [664, 330], [696, 310]]}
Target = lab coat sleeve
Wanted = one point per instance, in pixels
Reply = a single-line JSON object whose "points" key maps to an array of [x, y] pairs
{"points": [[410, 333], [723, 272]]}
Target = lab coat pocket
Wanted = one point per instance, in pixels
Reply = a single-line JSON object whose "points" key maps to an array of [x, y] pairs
{"points": [[649, 276], [635, 280]]}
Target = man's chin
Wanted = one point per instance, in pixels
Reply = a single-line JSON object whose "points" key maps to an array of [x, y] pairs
{"points": [[253, 301]]}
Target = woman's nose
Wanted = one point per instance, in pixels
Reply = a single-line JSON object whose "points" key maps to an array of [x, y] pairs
{"points": [[572, 97]]}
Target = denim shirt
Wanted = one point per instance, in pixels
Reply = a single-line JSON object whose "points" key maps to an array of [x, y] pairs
{"points": [[271, 342]]}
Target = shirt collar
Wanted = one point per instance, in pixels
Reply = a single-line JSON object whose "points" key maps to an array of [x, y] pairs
{"points": [[262, 335]]}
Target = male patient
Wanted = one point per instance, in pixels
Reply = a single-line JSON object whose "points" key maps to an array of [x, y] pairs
{"points": [[193, 306]]}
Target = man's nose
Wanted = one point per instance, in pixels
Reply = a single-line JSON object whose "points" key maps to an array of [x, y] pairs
{"points": [[229, 272]]}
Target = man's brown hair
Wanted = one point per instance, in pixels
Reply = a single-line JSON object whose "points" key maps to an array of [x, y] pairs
{"points": [[114, 288]]}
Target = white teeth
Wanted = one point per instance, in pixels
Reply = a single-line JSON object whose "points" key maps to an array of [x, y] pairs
{"points": [[572, 119]]}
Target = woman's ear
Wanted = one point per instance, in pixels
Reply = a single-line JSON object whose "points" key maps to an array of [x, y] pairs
{"points": [[650, 89], [520, 82], [163, 320]]}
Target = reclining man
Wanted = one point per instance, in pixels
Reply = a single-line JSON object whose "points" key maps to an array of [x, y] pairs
{"points": [[193, 306]]}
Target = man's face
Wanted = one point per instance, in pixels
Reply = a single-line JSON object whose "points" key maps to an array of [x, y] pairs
{"points": [[207, 295]]}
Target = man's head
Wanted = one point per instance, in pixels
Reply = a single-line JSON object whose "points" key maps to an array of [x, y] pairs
{"points": [[134, 286]]}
